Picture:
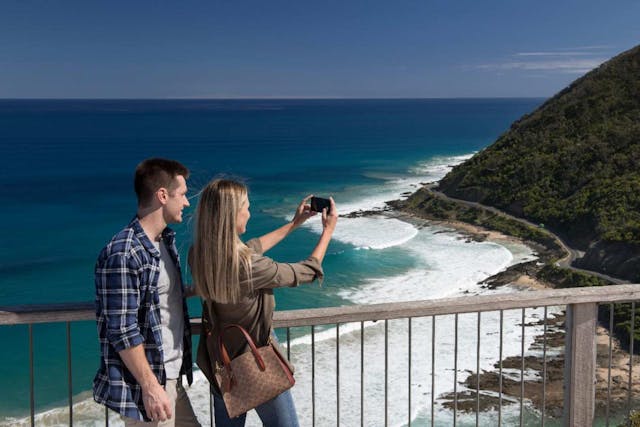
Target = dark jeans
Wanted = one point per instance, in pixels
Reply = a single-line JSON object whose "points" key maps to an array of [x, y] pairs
{"points": [[278, 412]]}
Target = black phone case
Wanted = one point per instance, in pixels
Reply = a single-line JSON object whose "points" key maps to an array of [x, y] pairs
{"points": [[318, 203]]}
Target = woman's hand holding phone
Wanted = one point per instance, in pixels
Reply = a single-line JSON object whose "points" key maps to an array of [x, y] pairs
{"points": [[303, 212], [329, 221], [330, 216]]}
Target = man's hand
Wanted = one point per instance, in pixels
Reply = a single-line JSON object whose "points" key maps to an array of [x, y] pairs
{"points": [[156, 402]]}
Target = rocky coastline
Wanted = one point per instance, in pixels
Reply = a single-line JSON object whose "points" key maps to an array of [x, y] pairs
{"points": [[545, 396], [545, 391]]}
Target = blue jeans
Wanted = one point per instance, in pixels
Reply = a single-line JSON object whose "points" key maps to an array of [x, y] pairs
{"points": [[278, 412]]}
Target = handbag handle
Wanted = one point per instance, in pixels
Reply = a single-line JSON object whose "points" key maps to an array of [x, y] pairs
{"points": [[226, 360]]}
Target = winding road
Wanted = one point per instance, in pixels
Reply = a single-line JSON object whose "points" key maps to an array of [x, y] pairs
{"points": [[565, 262]]}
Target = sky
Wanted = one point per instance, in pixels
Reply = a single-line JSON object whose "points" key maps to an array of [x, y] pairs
{"points": [[306, 49]]}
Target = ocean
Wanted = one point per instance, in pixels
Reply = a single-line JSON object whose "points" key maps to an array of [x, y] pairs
{"points": [[67, 188]]}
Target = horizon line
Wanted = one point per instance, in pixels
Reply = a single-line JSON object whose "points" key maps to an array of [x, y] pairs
{"points": [[260, 98]]}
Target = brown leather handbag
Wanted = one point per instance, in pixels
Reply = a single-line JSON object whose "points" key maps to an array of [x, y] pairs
{"points": [[251, 378]]}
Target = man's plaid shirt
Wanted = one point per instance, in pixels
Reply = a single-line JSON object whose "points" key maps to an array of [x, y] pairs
{"points": [[128, 314]]}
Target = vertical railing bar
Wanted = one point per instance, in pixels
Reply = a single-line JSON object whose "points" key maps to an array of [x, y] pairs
{"points": [[478, 373], [288, 358], [362, 374], [211, 422], [633, 324], [433, 368], [69, 376], [455, 372], [580, 364], [338, 374], [106, 416], [386, 372], [611, 313], [409, 379], [313, 376], [32, 400], [500, 370], [544, 365], [522, 372]]}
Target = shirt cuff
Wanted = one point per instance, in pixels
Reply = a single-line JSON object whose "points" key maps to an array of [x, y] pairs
{"points": [[314, 264], [121, 340]]}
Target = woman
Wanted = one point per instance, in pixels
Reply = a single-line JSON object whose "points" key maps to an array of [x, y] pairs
{"points": [[239, 280]]}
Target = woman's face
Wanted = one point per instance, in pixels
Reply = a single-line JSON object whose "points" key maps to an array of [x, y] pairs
{"points": [[243, 216]]}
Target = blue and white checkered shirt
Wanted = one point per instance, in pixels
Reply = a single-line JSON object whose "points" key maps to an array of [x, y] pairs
{"points": [[128, 314]]}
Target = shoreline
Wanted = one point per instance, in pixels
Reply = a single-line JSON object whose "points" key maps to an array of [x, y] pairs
{"points": [[522, 276], [517, 275]]}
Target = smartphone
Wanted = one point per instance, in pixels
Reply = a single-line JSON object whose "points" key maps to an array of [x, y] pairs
{"points": [[318, 203]]}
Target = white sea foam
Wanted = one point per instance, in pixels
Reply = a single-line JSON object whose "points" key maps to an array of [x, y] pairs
{"points": [[379, 232], [395, 186], [450, 265], [375, 232], [470, 265], [455, 268], [395, 332], [437, 167]]}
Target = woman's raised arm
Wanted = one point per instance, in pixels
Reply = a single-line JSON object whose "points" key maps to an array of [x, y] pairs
{"points": [[267, 273], [303, 212]]}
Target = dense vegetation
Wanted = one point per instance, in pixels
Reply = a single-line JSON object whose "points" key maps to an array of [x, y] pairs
{"points": [[428, 205], [573, 164], [567, 278]]}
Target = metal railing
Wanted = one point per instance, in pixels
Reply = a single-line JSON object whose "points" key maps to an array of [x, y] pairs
{"points": [[422, 321]]}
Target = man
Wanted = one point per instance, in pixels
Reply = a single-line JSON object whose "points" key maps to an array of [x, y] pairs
{"points": [[143, 324]]}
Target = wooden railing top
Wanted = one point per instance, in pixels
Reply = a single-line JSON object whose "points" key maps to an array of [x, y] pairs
{"points": [[49, 313], [464, 304]]}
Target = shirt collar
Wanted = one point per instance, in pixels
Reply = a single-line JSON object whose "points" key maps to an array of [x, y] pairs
{"points": [[168, 235]]}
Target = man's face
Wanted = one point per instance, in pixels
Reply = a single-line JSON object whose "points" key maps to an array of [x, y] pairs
{"points": [[176, 201]]}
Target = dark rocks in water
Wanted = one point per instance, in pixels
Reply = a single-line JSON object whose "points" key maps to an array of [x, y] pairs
{"points": [[511, 388], [468, 402], [511, 274], [477, 237], [364, 213], [395, 204], [488, 382], [547, 390]]}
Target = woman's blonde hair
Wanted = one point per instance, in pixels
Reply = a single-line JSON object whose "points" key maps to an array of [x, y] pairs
{"points": [[219, 255]]}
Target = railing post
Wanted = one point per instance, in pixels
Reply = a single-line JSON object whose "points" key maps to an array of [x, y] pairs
{"points": [[580, 364]]}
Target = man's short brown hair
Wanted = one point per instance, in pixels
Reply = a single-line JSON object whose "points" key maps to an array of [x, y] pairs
{"points": [[153, 174]]}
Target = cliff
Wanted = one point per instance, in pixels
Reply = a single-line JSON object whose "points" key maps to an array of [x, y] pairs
{"points": [[573, 165]]}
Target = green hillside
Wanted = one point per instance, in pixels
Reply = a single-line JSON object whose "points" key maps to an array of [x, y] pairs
{"points": [[574, 165]]}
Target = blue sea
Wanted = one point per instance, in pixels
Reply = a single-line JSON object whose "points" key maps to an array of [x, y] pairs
{"points": [[67, 188]]}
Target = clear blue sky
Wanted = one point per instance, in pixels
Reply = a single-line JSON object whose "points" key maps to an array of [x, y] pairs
{"points": [[303, 48]]}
